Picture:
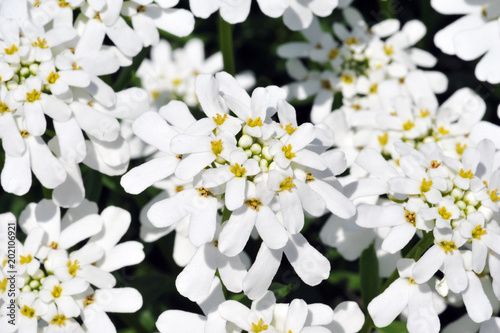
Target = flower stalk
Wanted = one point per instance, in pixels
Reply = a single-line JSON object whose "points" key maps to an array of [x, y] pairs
{"points": [[226, 45]]}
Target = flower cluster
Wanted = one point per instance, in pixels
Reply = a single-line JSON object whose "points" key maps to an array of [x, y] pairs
{"points": [[55, 284]]}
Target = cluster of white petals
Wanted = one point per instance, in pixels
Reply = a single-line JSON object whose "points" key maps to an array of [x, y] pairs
{"points": [[63, 289]]}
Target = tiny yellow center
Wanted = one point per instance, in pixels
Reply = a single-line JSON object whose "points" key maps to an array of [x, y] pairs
{"points": [[53, 245], [289, 128], [217, 147], [460, 148], [254, 203], [425, 186], [238, 170], [3, 285], [325, 84], [444, 213], [424, 113], [478, 232], [288, 151], [57, 291], [13, 49], [59, 320], [73, 267], [287, 184], [347, 78], [493, 195], [259, 327], [33, 96], [373, 88], [63, 3], [435, 164], [465, 174], [351, 41], [25, 259], [388, 49], [411, 281], [88, 300], [410, 217], [28, 312], [53, 77], [334, 53], [141, 9], [205, 192], [254, 122], [4, 108], [448, 246], [179, 188], [383, 139], [76, 67], [408, 125], [24, 133], [220, 119], [443, 130], [41, 43], [97, 16], [309, 178], [176, 82]]}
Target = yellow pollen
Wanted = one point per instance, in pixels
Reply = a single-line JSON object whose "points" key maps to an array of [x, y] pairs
{"points": [[334, 53], [40, 43], [90, 104], [460, 148], [447, 246], [493, 195], [356, 107], [28, 312], [238, 170], [73, 267], [88, 300], [3, 285], [444, 213], [351, 41], [289, 128], [63, 3], [382, 139], [25, 259], [309, 178], [53, 77], [373, 88], [411, 281], [401, 80], [24, 133], [33, 96], [179, 156], [4, 108], [59, 320], [155, 94], [53, 245], [410, 217], [424, 113], [205, 192], [394, 113], [408, 125], [254, 122], [426, 185], [179, 188], [13, 49], [346, 78], [76, 67], [288, 151], [216, 147], [216, 243], [466, 174], [219, 119], [259, 327], [97, 16], [254, 203], [484, 12], [443, 130], [287, 184], [37, 3], [388, 49], [141, 9], [325, 84], [435, 164], [176, 82], [478, 232], [57, 291]]}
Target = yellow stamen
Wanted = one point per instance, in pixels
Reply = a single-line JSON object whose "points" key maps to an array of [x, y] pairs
{"points": [[217, 147], [63, 3], [59, 320], [76, 67], [309, 178], [53, 245], [289, 128], [443, 130], [424, 113], [25, 259], [3, 285], [259, 327], [73, 267], [435, 164], [254, 203], [288, 151], [97, 16], [40, 43], [28, 312], [388, 49], [141, 9], [410, 217], [347, 78], [254, 122], [24, 134], [4, 108], [287, 184], [13, 49], [444, 213], [53, 77], [334, 53], [373, 88], [88, 300], [466, 174], [351, 41], [426, 185], [33, 96], [57, 291], [478, 232], [383, 139], [493, 195], [176, 82], [447, 246], [219, 119], [205, 192], [408, 125], [238, 170], [460, 148]]}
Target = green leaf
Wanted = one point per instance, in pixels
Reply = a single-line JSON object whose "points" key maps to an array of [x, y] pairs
{"points": [[394, 327], [351, 279], [370, 279], [280, 290]]}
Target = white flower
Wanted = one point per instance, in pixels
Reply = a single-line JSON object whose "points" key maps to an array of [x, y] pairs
{"points": [[402, 293], [61, 294], [30, 308]]}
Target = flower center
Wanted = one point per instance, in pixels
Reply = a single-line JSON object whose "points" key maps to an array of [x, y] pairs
{"points": [[237, 170], [259, 327], [53, 77], [254, 122], [289, 128], [59, 320], [424, 113], [435, 164], [287, 184], [478, 232], [41, 43], [205, 192], [493, 195], [33, 96], [460, 148], [254, 203], [63, 3], [24, 133], [383, 139], [426, 185], [334, 53], [447, 246], [4, 108], [346, 78], [408, 125], [388, 49], [53, 245], [351, 41], [466, 174], [3, 285], [73, 267], [28, 312], [288, 151], [88, 300], [57, 291], [219, 119], [444, 213], [443, 130], [410, 217], [25, 260], [309, 177], [217, 147], [13, 49]]}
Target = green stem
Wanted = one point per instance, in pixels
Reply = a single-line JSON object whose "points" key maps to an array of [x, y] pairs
{"points": [[387, 9], [416, 252], [226, 45]]}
